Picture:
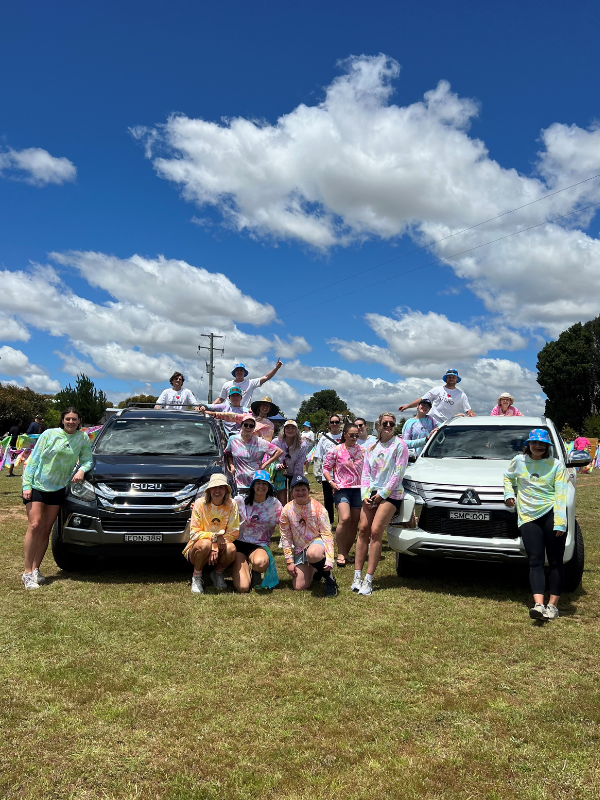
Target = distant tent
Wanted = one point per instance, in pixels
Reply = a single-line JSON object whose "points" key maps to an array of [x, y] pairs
{"points": [[277, 418]]}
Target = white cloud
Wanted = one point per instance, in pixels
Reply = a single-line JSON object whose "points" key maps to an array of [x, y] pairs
{"points": [[357, 166], [11, 330], [73, 365], [36, 166], [15, 363]]}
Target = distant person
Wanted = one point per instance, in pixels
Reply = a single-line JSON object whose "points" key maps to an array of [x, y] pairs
{"points": [[240, 379], [291, 462], [505, 407], [582, 444], [233, 405], [35, 428], [47, 473], [308, 436], [176, 398], [214, 527], [537, 483], [307, 540], [259, 514], [245, 453], [447, 401], [261, 410], [364, 438], [324, 445], [417, 430], [14, 433]]}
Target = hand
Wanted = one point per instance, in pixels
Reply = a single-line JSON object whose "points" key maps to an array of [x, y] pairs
{"points": [[213, 557], [431, 432], [231, 468], [402, 408], [202, 409], [560, 533], [79, 476], [279, 364], [334, 486], [510, 502], [470, 413], [327, 568], [375, 500], [291, 568], [27, 494]]}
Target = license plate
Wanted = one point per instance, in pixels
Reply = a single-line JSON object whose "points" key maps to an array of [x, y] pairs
{"points": [[477, 516], [143, 537]]}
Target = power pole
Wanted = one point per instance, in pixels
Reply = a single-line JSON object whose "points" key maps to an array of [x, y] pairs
{"points": [[210, 368]]}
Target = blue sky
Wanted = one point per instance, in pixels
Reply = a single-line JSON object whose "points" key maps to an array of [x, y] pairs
{"points": [[268, 150]]}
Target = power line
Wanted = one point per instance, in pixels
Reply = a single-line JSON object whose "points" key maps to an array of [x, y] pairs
{"points": [[438, 241]]}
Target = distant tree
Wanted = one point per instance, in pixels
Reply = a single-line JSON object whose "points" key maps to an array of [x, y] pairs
{"points": [[138, 398], [591, 426], [17, 403], [90, 401], [399, 425], [320, 406], [567, 433]]}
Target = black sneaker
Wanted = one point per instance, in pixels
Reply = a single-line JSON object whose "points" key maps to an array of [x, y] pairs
{"points": [[331, 587]]}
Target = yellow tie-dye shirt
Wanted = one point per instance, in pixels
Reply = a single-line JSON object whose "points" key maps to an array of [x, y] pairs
{"points": [[538, 486]]}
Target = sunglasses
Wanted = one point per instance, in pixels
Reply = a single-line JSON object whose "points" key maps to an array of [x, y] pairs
{"points": [[360, 424], [352, 436], [388, 424], [334, 422], [248, 425]]}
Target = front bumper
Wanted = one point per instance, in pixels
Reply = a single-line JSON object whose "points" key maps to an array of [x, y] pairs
{"points": [[416, 542]]}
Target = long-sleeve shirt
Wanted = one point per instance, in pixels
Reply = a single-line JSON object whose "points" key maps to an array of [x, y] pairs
{"points": [[176, 401], [511, 411], [207, 518], [301, 525], [538, 486], [54, 458], [264, 427], [258, 521], [294, 460], [384, 468], [416, 431], [345, 465], [230, 427]]}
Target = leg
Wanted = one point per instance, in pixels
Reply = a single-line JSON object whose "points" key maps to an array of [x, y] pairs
{"points": [[38, 530], [240, 572], [383, 515], [303, 578], [364, 534], [328, 499], [532, 535], [342, 531], [50, 513], [226, 557], [259, 560], [200, 554], [555, 550], [282, 496]]}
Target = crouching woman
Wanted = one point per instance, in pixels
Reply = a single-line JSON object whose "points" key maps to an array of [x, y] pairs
{"points": [[306, 539], [259, 512], [215, 525]]}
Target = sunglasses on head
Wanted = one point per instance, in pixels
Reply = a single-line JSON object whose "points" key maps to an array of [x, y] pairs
{"points": [[248, 425], [388, 424]]}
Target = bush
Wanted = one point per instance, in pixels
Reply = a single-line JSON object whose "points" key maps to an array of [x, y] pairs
{"points": [[591, 426]]}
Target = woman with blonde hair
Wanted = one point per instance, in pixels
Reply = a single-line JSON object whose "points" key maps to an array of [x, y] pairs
{"points": [[504, 407], [291, 462], [381, 489], [215, 525]]}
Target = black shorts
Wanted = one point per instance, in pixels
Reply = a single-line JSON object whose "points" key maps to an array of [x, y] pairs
{"points": [[245, 548], [48, 498], [395, 503]]}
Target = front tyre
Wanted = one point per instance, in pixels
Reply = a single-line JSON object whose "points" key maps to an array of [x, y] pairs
{"points": [[574, 567], [406, 566], [65, 560]]}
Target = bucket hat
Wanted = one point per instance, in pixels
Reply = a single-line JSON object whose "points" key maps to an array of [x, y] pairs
{"points": [[452, 372], [255, 406], [218, 479], [506, 396], [306, 424], [261, 475], [539, 435], [238, 366]]}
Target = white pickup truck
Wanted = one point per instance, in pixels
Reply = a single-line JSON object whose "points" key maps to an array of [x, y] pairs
{"points": [[457, 490]]}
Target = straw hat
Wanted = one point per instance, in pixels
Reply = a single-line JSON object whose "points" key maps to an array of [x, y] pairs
{"points": [[506, 396], [255, 406]]}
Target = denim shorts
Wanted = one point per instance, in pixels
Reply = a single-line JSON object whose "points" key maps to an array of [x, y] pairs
{"points": [[350, 496], [300, 558]]}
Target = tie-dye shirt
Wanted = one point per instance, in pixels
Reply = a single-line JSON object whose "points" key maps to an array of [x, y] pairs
{"points": [[416, 431], [345, 465], [207, 518], [384, 469], [247, 457], [258, 521], [366, 442], [56, 454], [301, 525], [264, 427], [294, 460], [540, 485], [511, 411]]}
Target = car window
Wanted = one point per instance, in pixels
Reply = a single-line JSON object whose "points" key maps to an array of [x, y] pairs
{"points": [[161, 437], [485, 442]]}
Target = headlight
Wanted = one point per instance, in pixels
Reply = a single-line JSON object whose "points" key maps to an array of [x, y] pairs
{"points": [[414, 487], [83, 491]]}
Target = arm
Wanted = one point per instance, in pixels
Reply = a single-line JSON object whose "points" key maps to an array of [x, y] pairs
{"points": [[85, 460], [510, 484], [325, 533], [300, 458], [406, 432], [285, 529], [274, 457], [560, 500], [33, 463], [228, 416], [414, 404], [232, 531], [328, 466], [272, 372], [161, 399], [230, 464]]}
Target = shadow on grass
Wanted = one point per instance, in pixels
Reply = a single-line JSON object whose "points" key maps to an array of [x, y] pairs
{"points": [[140, 570]]}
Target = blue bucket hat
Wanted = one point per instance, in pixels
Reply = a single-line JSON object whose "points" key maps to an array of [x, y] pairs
{"points": [[238, 366], [452, 372], [261, 475], [539, 435], [306, 425]]}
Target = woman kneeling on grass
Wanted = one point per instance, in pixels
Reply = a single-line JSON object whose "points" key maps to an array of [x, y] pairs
{"points": [[45, 478], [259, 513], [381, 489], [215, 525], [343, 469], [540, 485], [306, 539]]}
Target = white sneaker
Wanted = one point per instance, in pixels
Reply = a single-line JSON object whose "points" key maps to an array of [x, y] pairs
{"points": [[366, 588], [39, 577], [218, 580], [29, 581], [551, 612], [538, 612], [197, 584], [356, 584]]}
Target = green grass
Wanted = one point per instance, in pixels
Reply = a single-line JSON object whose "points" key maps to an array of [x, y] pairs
{"points": [[122, 684]]}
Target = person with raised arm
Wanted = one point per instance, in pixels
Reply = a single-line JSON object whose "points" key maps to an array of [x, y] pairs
{"points": [[261, 410], [446, 401], [233, 405], [381, 490], [247, 386], [417, 430], [343, 470], [176, 398]]}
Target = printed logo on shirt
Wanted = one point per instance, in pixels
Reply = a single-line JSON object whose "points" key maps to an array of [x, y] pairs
{"points": [[215, 521]]}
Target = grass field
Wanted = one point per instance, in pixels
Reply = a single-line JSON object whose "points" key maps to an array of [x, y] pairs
{"points": [[122, 684]]}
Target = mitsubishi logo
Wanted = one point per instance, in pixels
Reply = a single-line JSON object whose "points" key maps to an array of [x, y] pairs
{"points": [[470, 498]]}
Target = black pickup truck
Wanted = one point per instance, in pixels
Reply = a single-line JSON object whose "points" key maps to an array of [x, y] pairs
{"points": [[149, 467]]}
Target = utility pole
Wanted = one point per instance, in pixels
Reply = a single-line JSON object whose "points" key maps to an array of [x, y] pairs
{"points": [[210, 368]]}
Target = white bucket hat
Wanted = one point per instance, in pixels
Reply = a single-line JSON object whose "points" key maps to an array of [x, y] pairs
{"points": [[506, 396]]}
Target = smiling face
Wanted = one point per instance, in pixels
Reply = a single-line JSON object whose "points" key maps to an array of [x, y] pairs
{"points": [[504, 403], [177, 383], [217, 494], [451, 381], [247, 429], [387, 428], [264, 409], [70, 422], [538, 449], [260, 490], [300, 494], [239, 374], [289, 431]]}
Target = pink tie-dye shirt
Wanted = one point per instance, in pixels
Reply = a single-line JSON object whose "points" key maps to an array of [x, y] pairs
{"points": [[301, 525], [345, 465], [258, 521], [511, 411]]}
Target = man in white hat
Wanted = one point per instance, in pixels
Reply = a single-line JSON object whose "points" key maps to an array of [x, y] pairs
{"points": [[446, 401]]}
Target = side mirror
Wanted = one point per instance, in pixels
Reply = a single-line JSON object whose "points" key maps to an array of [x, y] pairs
{"points": [[578, 458], [412, 456]]}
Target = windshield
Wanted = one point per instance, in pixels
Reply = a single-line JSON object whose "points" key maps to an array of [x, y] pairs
{"points": [[489, 442], [157, 437]]}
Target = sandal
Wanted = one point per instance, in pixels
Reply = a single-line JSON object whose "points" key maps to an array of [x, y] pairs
{"points": [[340, 561]]}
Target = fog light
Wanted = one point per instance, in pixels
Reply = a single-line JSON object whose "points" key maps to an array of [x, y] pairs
{"points": [[75, 521]]}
